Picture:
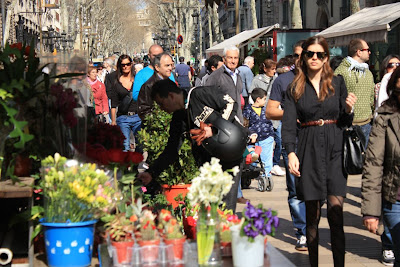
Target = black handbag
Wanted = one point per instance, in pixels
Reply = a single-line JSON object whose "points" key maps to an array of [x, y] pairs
{"points": [[353, 150]]}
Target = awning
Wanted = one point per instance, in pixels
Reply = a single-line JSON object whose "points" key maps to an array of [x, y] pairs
{"points": [[370, 24], [240, 39]]}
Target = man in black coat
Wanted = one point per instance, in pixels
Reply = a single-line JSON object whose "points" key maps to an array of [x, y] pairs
{"points": [[203, 105]]}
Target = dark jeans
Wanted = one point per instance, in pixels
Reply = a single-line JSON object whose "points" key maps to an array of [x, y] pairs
{"points": [[366, 131], [297, 207], [278, 145], [391, 216]]}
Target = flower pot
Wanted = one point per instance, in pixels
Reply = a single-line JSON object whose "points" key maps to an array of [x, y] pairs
{"points": [[22, 166], [69, 244], [226, 248], [123, 251], [149, 251], [177, 248], [245, 253], [172, 191]]}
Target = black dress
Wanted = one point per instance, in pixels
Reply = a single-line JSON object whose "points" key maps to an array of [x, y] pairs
{"points": [[319, 148]]}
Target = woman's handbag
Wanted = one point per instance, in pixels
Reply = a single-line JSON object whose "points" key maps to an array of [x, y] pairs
{"points": [[354, 150]]}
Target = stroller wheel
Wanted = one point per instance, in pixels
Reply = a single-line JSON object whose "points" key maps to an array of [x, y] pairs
{"points": [[262, 184], [269, 183]]}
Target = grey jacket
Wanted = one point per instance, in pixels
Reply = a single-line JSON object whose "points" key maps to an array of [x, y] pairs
{"points": [[381, 174], [223, 80]]}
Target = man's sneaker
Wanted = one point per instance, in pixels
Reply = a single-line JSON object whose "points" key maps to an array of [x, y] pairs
{"points": [[276, 170], [301, 244], [388, 257]]}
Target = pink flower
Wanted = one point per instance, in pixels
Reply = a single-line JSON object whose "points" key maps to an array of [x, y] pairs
{"points": [[144, 189]]}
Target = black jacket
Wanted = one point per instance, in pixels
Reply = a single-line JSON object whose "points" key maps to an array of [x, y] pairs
{"points": [[145, 103], [204, 104]]}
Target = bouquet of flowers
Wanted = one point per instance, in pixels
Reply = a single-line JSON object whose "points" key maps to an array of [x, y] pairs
{"points": [[74, 192], [207, 190], [258, 221]]}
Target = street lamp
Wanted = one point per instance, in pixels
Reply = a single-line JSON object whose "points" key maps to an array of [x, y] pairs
{"points": [[155, 38], [50, 36], [64, 41], [20, 36]]}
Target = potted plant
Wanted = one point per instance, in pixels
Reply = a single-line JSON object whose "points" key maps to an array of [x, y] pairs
{"points": [[120, 230], [248, 237], [75, 195], [149, 239], [227, 220], [172, 234], [154, 137]]}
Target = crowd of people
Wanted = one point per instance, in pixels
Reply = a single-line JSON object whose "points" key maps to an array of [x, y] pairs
{"points": [[295, 109]]}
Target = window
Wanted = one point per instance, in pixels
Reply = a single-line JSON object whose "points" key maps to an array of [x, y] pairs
{"points": [[285, 13]]}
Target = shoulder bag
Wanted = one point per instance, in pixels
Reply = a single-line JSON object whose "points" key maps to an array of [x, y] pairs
{"points": [[353, 150]]}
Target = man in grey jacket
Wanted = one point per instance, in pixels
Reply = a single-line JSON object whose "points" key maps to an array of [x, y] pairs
{"points": [[247, 77], [227, 77]]}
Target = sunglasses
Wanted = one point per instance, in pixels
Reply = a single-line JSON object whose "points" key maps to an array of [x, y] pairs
{"points": [[310, 54], [365, 49], [126, 64], [392, 65], [295, 55]]}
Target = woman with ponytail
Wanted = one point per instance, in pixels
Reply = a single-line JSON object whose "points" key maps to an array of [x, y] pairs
{"points": [[317, 110]]}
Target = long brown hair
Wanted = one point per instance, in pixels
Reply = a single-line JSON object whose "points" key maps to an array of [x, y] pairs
{"points": [[299, 82]]}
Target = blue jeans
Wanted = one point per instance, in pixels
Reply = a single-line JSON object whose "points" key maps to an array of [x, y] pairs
{"points": [[129, 124], [391, 216], [297, 207], [266, 154], [278, 145], [240, 193], [366, 130], [386, 238]]}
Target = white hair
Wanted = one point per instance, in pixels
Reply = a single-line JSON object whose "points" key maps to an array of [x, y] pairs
{"points": [[230, 48], [248, 59]]}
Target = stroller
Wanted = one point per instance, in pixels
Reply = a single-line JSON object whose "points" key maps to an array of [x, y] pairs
{"points": [[256, 170]]}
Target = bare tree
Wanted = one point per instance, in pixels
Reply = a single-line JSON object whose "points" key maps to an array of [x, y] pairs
{"points": [[295, 9], [354, 6], [253, 14], [219, 37]]}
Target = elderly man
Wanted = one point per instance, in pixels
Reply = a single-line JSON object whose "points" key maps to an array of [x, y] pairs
{"points": [[227, 78], [162, 65], [247, 77], [143, 75]]}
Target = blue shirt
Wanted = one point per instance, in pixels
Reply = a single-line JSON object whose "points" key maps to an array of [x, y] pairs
{"points": [[233, 74], [247, 77], [258, 124], [183, 75], [142, 77], [280, 85]]}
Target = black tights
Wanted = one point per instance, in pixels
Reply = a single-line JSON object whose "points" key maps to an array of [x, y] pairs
{"points": [[335, 220]]}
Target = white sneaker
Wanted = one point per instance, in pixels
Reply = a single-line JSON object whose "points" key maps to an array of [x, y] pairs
{"points": [[388, 257], [276, 170]]}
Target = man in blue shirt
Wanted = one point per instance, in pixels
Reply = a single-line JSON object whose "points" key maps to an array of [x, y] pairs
{"points": [[274, 111], [184, 75], [143, 75], [247, 77]]}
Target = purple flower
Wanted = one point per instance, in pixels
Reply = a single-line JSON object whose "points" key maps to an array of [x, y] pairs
{"points": [[251, 211], [259, 223], [249, 231], [275, 221]]}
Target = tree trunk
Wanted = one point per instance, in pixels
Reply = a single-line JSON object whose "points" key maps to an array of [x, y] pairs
{"points": [[219, 37], [8, 20], [253, 14], [297, 22], [210, 32], [354, 6]]}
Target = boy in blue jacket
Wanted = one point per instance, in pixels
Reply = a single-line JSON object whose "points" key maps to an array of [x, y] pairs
{"points": [[261, 129]]}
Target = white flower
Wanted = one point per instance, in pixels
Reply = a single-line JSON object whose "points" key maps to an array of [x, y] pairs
{"points": [[211, 185]]}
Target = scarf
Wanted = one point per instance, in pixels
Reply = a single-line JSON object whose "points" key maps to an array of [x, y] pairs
{"points": [[90, 81], [361, 68]]}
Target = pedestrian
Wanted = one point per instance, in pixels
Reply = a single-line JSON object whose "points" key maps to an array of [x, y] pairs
{"points": [[123, 107], [318, 100], [257, 122], [360, 81], [381, 177], [214, 62], [183, 74], [162, 70], [99, 95], [202, 106], [389, 64], [274, 111], [247, 77]]}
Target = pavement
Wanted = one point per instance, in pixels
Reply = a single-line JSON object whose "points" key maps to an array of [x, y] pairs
{"points": [[362, 247]]}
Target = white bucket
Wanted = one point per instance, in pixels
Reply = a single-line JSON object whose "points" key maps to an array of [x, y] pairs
{"points": [[245, 253]]}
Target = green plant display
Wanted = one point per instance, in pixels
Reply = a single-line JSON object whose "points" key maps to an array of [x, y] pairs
{"points": [[154, 137]]}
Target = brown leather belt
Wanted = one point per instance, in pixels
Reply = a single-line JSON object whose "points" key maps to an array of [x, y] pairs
{"points": [[319, 122]]}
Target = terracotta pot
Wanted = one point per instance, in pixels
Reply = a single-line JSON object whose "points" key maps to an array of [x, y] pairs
{"points": [[226, 248], [149, 250], [177, 246], [173, 191], [124, 254]]}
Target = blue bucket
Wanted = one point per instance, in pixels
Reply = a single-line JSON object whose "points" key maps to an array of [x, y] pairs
{"points": [[69, 244]]}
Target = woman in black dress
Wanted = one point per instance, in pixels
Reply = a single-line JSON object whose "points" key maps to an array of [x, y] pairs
{"points": [[317, 108]]}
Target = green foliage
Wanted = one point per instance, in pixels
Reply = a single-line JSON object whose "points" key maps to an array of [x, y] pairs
{"points": [[158, 202], [154, 138]]}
